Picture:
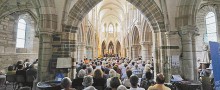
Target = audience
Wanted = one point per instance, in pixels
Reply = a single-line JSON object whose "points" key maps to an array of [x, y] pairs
{"points": [[11, 71], [134, 83], [98, 78], [90, 88], [112, 73], [78, 81], [87, 81], [159, 83], [121, 87], [147, 80], [126, 81], [114, 83], [66, 84]]}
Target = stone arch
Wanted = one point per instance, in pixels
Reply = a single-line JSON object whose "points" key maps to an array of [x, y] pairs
{"points": [[148, 8], [118, 48], [135, 36], [111, 48], [147, 33]]}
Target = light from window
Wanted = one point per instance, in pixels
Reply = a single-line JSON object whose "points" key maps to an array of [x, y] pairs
{"points": [[20, 41], [211, 27], [110, 28]]}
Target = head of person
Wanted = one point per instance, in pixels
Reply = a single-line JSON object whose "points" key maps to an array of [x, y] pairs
{"points": [[129, 73], [84, 66], [90, 88], [160, 79], [89, 70], [115, 82], [10, 68], [66, 82], [121, 87], [87, 81], [19, 62], [98, 73], [134, 81], [81, 73], [148, 75], [20, 66], [112, 73]]}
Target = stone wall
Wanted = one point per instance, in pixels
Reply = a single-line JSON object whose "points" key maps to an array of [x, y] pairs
{"points": [[9, 54]]}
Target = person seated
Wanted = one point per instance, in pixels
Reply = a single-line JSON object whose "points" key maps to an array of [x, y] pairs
{"points": [[87, 81], [11, 71], [114, 83], [21, 72], [90, 88], [134, 83], [89, 71], [121, 87], [112, 73], [78, 81], [66, 84], [159, 83], [147, 81], [98, 79], [126, 81]]}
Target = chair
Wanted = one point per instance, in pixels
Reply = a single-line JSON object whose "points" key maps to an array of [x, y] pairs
{"points": [[30, 79], [20, 79], [11, 79]]}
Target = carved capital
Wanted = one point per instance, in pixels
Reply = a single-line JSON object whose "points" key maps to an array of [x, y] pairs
{"points": [[188, 31]]}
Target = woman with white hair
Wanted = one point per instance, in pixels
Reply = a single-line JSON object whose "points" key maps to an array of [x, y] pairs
{"points": [[87, 81], [77, 83], [90, 88], [66, 84], [112, 73], [121, 87]]}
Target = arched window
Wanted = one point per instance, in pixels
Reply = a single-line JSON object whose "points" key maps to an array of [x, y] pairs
{"points": [[20, 41], [211, 27], [110, 28]]}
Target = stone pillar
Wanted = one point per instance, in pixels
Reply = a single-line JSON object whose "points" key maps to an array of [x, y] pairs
{"points": [[80, 54], [127, 52], [145, 51], [187, 34], [45, 54], [134, 49]]}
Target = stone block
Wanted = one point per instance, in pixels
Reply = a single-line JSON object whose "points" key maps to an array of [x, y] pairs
{"points": [[2, 49]]}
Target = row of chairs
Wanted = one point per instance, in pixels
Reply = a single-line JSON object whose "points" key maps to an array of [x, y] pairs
{"points": [[18, 79]]}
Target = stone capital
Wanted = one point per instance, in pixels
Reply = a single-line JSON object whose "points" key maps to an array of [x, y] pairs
{"points": [[189, 31], [145, 43]]}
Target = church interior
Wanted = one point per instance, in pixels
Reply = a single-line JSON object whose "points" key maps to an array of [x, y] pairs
{"points": [[171, 36]]}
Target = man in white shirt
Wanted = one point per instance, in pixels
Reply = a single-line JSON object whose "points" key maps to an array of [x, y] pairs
{"points": [[134, 83]]}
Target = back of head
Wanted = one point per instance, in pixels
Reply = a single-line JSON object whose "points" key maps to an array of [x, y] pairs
{"points": [[148, 75], [20, 66], [134, 81], [90, 88], [89, 70], [121, 87], [81, 73], [87, 81], [10, 68], [66, 82], [112, 73], [160, 78], [115, 82], [98, 73], [129, 73]]}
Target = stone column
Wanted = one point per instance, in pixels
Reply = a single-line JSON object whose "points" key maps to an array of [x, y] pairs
{"points": [[127, 52], [89, 52], [187, 34], [145, 51], [45, 54], [134, 49], [80, 54]]}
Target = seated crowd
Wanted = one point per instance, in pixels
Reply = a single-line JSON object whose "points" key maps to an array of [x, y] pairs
{"points": [[23, 70], [114, 74]]}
